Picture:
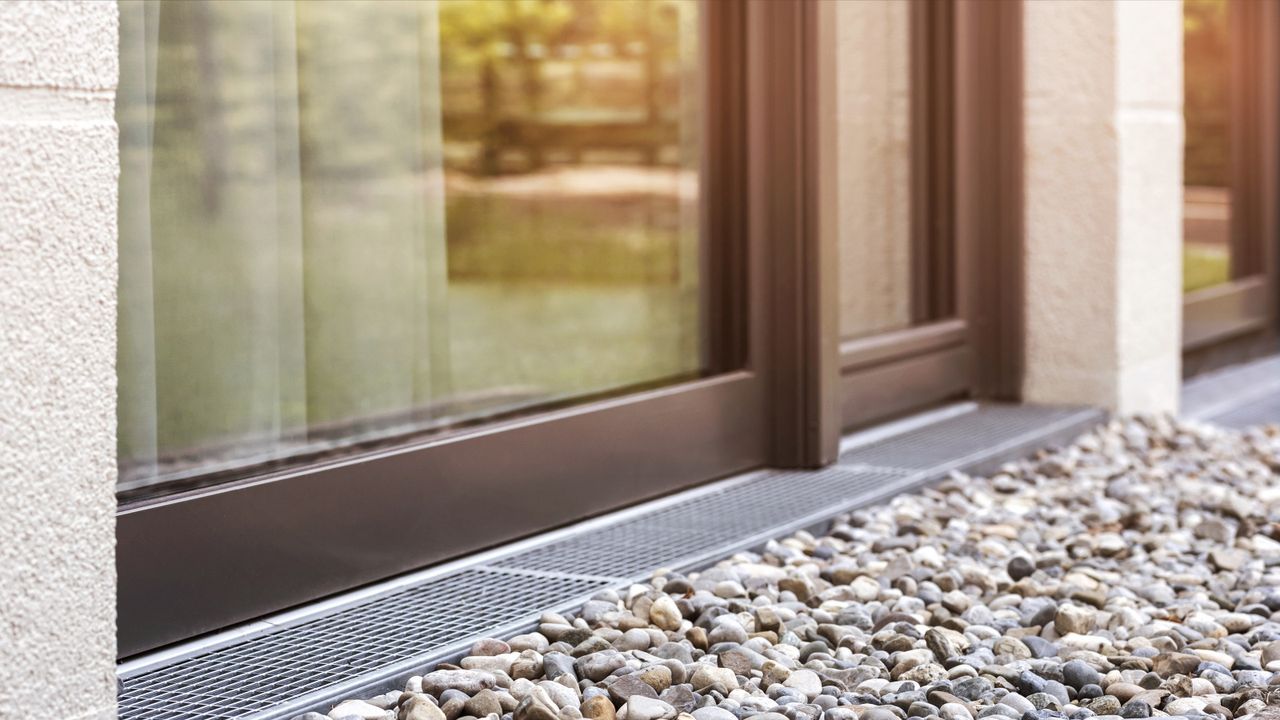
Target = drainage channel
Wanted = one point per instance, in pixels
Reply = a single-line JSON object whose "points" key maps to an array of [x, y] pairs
{"points": [[372, 640]]}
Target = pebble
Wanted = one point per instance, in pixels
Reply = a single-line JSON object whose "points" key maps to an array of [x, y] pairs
{"points": [[1104, 705], [1135, 709], [1173, 663], [1124, 691], [1039, 647], [357, 709], [483, 703], [1226, 559], [467, 681], [1073, 619], [490, 646], [805, 681], [623, 688], [536, 706], [642, 708], [597, 666], [421, 711], [1077, 674], [664, 614], [709, 676], [1134, 573], [711, 712], [597, 707], [1020, 566]]}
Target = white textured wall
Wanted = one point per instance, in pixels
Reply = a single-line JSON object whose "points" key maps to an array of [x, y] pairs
{"points": [[57, 359], [1104, 202]]}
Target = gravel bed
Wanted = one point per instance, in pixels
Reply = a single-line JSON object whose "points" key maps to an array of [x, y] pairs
{"points": [[1133, 574]]}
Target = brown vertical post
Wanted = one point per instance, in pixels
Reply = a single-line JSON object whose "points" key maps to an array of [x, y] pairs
{"points": [[1269, 150], [933, 252], [724, 261], [989, 197], [791, 137]]}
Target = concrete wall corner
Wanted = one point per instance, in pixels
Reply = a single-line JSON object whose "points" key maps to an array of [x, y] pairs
{"points": [[58, 176], [1103, 111]]}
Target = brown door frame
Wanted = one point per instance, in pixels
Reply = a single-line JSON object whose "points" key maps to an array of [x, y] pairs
{"points": [[967, 205], [1240, 318], [794, 200], [989, 190], [204, 559]]}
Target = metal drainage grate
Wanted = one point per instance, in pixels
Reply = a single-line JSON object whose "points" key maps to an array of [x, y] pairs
{"points": [[680, 535], [374, 643], [621, 551], [273, 668], [780, 498], [995, 431]]}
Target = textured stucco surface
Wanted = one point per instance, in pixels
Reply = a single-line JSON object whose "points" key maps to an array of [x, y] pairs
{"points": [[59, 43], [1103, 148], [58, 164]]}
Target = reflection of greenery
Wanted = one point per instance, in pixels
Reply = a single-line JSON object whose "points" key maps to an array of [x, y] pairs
{"points": [[477, 30], [596, 240], [286, 235], [527, 78], [1206, 82], [1203, 266]]}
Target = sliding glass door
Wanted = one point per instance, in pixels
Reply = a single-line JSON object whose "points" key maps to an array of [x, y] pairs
{"points": [[401, 280], [348, 222], [1231, 235], [404, 280]]}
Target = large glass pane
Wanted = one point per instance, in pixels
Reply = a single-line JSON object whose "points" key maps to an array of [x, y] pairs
{"points": [[345, 221], [874, 157], [1206, 215]]}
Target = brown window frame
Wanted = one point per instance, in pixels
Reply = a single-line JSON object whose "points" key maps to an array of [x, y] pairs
{"points": [[966, 221], [1238, 319], [208, 558]]}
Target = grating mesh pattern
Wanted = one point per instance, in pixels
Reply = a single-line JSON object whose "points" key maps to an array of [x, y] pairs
{"points": [[270, 669], [780, 498], [324, 658], [951, 440], [633, 549], [621, 551]]}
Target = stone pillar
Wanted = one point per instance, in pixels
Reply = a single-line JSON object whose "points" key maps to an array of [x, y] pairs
{"points": [[1103, 111], [58, 165]]}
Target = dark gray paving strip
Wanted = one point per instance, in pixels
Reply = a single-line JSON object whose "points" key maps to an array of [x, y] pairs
{"points": [[1263, 410], [375, 640], [1238, 396]]}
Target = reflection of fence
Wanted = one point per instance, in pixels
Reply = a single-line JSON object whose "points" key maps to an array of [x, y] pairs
{"points": [[1206, 216], [534, 139], [528, 104]]}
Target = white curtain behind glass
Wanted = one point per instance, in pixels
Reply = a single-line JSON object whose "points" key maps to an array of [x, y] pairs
{"points": [[281, 227]]}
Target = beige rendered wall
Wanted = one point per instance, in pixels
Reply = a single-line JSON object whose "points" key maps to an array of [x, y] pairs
{"points": [[57, 359], [1103, 170]]}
